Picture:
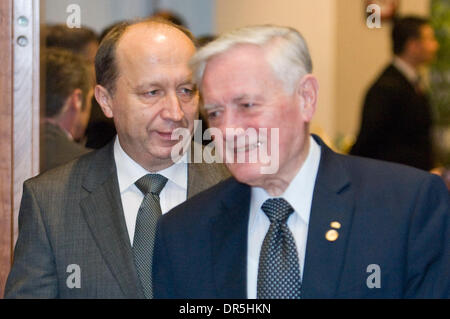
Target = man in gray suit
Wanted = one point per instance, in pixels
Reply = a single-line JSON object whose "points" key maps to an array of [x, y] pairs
{"points": [[80, 225]]}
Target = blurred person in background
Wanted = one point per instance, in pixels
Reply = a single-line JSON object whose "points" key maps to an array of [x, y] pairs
{"points": [[396, 121], [82, 41], [69, 88]]}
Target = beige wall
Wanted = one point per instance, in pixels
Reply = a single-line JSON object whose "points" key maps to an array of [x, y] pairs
{"points": [[316, 20], [346, 54]]}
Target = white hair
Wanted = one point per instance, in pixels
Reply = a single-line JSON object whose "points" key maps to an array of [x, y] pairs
{"points": [[285, 48]]}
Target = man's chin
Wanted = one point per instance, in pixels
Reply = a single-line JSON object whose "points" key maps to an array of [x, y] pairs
{"points": [[247, 173], [168, 152]]}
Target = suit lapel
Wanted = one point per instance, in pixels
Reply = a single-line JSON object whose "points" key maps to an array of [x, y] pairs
{"points": [[196, 176], [332, 202], [103, 212], [229, 243]]}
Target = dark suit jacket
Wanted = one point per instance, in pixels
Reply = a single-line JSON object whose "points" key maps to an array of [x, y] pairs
{"points": [[58, 149], [391, 215], [396, 123], [73, 215]]}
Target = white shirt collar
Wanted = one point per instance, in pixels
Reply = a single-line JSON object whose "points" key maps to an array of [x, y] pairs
{"points": [[300, 191], [129, 171], [407, 70]]}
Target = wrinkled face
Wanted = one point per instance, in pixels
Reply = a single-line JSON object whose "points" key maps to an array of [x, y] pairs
{"points": [[154, 93], [240, 90]]}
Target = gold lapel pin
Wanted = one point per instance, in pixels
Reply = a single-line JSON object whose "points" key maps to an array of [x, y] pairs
{"points": [[332, 235], [335, 225]]}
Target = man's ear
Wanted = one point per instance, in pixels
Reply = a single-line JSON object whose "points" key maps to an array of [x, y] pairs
{"points": [[307, 92], [75, 100], [104, 100]]}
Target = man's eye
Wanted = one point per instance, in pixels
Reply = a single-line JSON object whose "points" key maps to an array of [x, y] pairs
{"points": [[187, 91], [247, 105], [151, 93], [213, 114]]}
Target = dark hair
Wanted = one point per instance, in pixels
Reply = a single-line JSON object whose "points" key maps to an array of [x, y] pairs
{"points": [[73, 39], [405, 29], [106, 30], [170, 16], [205, 39], [105, 61], [65, 72]]}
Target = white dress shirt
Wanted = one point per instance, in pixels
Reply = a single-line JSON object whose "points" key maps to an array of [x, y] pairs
{"points": [[299, 195], [128, 172]]}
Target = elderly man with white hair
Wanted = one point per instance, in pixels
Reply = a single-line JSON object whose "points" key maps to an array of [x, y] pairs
{"points": [[324, 225]]}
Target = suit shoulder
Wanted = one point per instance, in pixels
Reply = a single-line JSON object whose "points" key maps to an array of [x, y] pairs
{"points": [[391, 78], [61, 175], [372, 171]]}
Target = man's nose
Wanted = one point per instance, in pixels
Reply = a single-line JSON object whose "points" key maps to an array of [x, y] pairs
{"points": [[231, 125], [172, 108]]}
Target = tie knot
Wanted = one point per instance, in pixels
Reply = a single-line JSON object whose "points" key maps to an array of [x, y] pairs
{"points": [[151, 183], [277, 209]]}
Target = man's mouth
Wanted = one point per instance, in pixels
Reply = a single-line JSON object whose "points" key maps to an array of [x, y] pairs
{"points": [[247, 148], [166, 135]]}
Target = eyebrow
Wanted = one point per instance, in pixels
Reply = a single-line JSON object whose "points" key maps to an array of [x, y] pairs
{"points": [[145, 86], [235, 100], [246, 96], [210, 106]]}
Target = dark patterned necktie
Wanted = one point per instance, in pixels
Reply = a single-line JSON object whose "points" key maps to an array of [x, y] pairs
{"points": [[144, 235], [278, 270]]}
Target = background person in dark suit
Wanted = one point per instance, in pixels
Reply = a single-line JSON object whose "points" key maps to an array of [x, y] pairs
{"points": [[324, 225], [83, 226], [69, 88], [397, 118], [83, 41]]}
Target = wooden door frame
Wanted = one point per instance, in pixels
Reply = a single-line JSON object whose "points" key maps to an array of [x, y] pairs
{"points": [[6, 137], [19, 115]]}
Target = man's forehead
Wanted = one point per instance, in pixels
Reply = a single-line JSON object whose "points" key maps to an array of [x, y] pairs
{"points": [[146, 45], [153, 37], [151, 28], [239, 53], [246, 64]]}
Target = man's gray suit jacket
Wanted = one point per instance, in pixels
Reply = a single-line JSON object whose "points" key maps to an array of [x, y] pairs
{"points": [[73, 240], [57, 148]]}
